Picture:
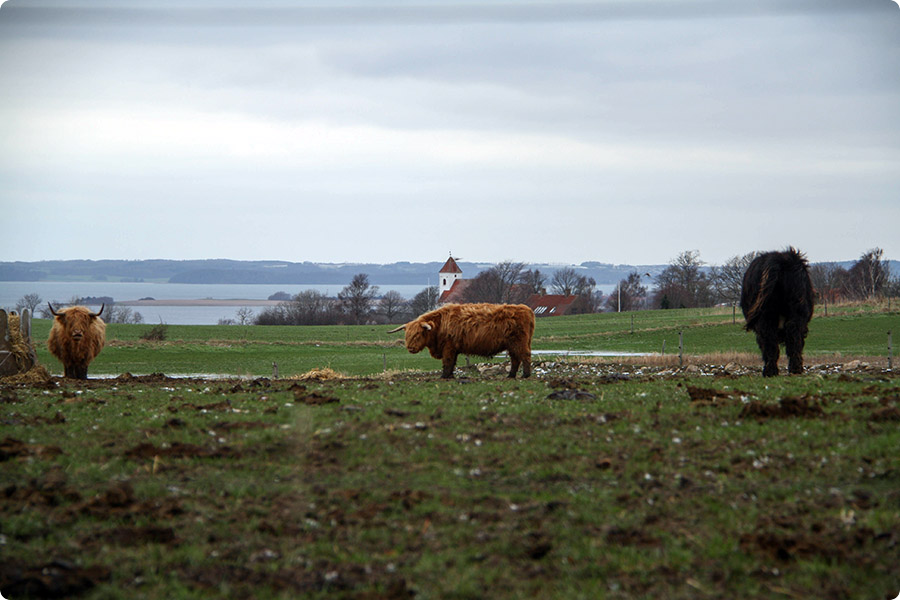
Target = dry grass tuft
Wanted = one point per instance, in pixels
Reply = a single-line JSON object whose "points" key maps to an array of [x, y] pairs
{"points": [[320, 374], [34, 376]]}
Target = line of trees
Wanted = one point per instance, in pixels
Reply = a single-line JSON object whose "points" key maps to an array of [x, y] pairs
{"points": [[112, 313], [356, 304], [682, 284], [510, 282]]}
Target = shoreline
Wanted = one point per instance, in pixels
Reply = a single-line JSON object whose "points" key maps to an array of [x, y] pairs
{"points": [[201, 302]]}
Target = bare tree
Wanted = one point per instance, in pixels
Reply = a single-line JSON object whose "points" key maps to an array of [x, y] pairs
{"points": [[565, 281], [533, 281], [244, 315], [424, 301], [829, 281], [870, 274], [29, 301], [306, 308], [729, 278], [357, 298], [391, 305], [683, 285], [629, 295], [497, 285], [114, 313]]}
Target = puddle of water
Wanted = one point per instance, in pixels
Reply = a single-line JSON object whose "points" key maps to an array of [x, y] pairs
{"points": [[588, 353], [182, 376]]}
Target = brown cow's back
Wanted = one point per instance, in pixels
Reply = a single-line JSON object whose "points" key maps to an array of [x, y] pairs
{"points": [[487, 329]]}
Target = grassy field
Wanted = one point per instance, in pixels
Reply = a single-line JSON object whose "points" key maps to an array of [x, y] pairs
{"points": [[364, 350], [588, 480]]}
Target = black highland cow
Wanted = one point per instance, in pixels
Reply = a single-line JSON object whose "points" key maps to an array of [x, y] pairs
{"points": [[777, 302]]}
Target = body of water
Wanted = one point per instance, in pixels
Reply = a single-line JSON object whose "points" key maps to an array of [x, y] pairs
{"points": [[64, 291]]}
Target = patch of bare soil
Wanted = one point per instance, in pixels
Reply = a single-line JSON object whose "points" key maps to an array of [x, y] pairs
{"points": [[303, 396], [785, 540], [886, 413], [119, 502], [132, 536], [322, 578], [49, 490], [224, 405], [631, 537], [12, 448], [15, 419], [56, 579], [144, 379], [146, 450], [790, 406], [701, 396]]}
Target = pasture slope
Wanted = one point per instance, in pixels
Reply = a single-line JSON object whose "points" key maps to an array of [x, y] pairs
{"points": [[592, 479]]}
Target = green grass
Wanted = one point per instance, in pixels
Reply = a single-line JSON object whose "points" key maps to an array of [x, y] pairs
{"points": [[362, 350], [464, 489]]}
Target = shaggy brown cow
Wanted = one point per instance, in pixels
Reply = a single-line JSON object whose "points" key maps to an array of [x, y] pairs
{"points": [[479, 329], [76, 338]]}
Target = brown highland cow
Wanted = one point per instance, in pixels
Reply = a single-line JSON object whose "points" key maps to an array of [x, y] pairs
{"points": [[478, 329], [76, 338]]}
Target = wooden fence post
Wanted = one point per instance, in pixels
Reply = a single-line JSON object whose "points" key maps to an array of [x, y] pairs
{"points": [[680, 348], [890, 352]]}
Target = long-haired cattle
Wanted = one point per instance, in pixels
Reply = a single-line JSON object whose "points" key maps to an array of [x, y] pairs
{"points": [[478, 329], [777, 302], [76, 338]]}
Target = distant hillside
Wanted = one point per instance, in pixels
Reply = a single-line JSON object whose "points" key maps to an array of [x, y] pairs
{"points": [[274, 272], [283, 272]]}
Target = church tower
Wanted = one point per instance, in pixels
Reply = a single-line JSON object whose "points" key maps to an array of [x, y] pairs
{"points": [[448, 275]]}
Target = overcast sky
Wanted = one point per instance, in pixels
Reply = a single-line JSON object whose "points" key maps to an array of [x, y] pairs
{"points": [[622, 131]]}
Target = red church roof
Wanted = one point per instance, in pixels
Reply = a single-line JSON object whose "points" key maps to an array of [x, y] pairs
{"points": [[456, 291], [450, 267]]}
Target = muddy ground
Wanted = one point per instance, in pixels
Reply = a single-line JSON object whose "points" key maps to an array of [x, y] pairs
{"points": [[530, 536]]}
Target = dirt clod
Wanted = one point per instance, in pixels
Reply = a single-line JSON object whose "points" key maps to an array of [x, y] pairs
{"points": [[790, 406]]}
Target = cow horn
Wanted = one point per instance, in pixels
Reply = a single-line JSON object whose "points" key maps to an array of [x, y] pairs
{"points": [[427, 326], [52, 312], [398, 329], [99, 312]]}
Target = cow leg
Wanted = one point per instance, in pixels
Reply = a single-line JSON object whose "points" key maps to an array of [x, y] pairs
{"points": [[76, 372], [794, 334], [768, 344], [513, 365], [449, 363], [516, 360]]}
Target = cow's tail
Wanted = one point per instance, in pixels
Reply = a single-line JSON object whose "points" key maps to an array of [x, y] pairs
{"points": [[767, 282]]}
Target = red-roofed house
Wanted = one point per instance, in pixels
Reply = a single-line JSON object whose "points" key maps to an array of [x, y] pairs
{"points": [[553, 305]]}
